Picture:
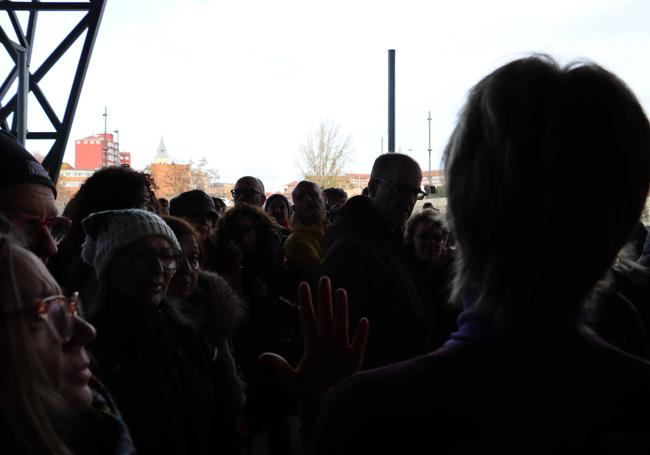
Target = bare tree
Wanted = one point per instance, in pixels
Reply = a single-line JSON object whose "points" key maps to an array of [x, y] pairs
{"points": [[324, 154], [201, 176]]}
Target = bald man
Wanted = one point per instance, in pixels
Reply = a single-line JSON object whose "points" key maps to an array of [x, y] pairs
{"points": [[249, 190], [364, 254], [304, 246]]}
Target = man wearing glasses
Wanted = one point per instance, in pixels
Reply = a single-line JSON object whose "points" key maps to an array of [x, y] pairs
{"points": [[27, 198], [364, 254], [249, 190]]}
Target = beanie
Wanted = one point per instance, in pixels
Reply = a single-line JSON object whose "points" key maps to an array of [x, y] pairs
{"points": [[110, 230], [193, 203], [19, 166]]}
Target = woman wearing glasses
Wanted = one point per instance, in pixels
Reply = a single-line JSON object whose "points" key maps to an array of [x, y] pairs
{"points": [[51, 402], [426, 238], [165, 377], [207, 300]]}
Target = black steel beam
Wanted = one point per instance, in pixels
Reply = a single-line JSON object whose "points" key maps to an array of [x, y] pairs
{"points": [[54, 158], [51, 60], [42, 135], [6, 5], [90, 24], [4, 88], [31, 30], [62, 48], [45, 104], [17, 28], [8, 44]]}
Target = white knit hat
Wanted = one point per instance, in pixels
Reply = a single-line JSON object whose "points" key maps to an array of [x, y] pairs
{"points": [[108, 231]]}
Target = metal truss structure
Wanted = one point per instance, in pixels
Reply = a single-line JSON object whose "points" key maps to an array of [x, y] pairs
{"points": [[28, 81]]}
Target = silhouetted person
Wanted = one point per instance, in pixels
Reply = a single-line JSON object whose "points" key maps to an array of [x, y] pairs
{"points": [[196, 207], [431, 264], [27, 199], [249, 190], [163, 204], [220, 205], [334, 196], [522, 374], [304, 247], [364, 254], [278, 207]]}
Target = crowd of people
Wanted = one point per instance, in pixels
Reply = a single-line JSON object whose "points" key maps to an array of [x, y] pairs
{"points": [[517, 322]]}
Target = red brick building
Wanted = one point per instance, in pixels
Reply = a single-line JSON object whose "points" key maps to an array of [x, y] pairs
{"points": [[96, 151], [125, 158]]}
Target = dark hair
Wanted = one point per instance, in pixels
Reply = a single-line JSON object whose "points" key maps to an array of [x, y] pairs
{"points": [[219, 204], [110, 188], [180, 227], [525, 168], [280, 197], [335, 193], [264, 225], [387, 161]]}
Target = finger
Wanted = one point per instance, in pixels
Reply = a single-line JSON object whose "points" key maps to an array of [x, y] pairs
{"points": [[325, 312], [307, 316], [281, 368], [342, 327], [359, 343]]}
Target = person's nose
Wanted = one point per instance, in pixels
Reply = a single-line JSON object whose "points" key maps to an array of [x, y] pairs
{"points": [[44, 246], [157, 266], [82, 333]]}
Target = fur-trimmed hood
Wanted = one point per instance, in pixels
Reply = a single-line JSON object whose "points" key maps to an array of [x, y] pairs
{"points": [[214, 307]]}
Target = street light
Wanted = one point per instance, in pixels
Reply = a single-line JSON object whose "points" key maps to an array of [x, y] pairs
{"points": [[429, 149]]}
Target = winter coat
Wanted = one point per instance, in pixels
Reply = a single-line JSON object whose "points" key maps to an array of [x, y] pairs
{"points": [[434, 283], [217, 311], [167, 381], [304, 249], [572, 393], [366, 259]]}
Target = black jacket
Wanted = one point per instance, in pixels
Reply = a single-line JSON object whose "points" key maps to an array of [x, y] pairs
{"points": [[167, 381], [368, 261]]}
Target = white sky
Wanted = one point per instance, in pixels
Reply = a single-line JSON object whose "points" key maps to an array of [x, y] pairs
{"points": [[243, 82]]}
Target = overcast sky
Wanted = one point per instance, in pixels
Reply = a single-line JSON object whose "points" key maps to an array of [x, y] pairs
{"points": [[243, 83]]}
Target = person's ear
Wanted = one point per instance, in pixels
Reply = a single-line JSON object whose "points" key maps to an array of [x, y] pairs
{"points": [[263, 199], [372, 187]]}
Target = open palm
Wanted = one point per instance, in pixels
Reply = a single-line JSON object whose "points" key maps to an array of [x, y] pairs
{"points": [[328, 356]]}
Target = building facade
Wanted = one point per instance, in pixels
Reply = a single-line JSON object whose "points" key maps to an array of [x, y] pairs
{"points": [[96, 151]]}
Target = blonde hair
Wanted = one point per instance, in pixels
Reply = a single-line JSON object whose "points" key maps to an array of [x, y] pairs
{"points": [[29, 401], [427, 216], [525, 167]]}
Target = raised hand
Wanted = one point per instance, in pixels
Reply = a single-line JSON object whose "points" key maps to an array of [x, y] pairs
{"points": [[328, 354]]}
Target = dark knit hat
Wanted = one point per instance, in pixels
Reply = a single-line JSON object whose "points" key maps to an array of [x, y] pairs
{"points": [[18, 166], [193, 203]]}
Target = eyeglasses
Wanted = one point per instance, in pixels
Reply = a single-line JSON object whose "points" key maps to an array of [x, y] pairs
{"points": [[245, 191], [168, 258], [415, 193], [57, 226], [58, 311], [192, 262]]}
